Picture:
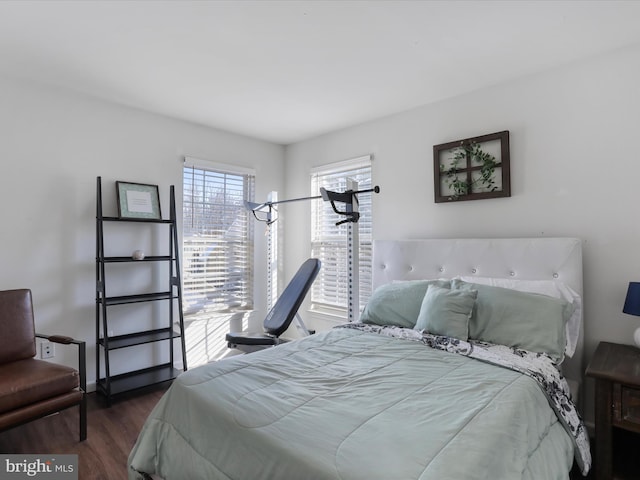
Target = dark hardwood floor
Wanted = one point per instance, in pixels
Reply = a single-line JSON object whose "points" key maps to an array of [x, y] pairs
{"points": [[111, 433]]}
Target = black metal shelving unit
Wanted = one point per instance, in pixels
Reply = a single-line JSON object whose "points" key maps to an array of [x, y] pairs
{"points": [[110, 385]]}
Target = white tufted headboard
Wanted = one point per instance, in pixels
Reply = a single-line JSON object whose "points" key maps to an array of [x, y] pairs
{"points": [[515, 258]]}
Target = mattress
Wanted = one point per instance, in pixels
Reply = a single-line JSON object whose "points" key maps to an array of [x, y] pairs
{"points": [[357, 403]]}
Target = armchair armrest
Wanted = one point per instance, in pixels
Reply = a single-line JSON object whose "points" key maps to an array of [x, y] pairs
{"points": [[61, 339], [82, 370]]}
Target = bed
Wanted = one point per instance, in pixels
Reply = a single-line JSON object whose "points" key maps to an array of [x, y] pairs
{"points": [[383, 399]]}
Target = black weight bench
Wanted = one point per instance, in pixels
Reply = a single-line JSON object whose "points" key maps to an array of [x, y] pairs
{"points": [[281, 314]]}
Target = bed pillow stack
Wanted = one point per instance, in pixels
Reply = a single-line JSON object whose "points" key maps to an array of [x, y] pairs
{"points": [[529, 321], [474, 311], [398, 303], [552, 288]]}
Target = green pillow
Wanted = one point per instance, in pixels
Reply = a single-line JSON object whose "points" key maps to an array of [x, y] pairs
{"points": [[446, 312], [524, 320], [398, 303]]}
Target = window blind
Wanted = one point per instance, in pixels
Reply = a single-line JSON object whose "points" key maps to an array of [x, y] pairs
{"points": [[217, 241], [329, 242]]}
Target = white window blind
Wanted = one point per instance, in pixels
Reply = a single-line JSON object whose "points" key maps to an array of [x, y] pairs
{"points": [[329, 242], [217, 241]]}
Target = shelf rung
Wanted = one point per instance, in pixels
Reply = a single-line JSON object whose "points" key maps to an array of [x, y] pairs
{"points": [[138, 379], [143, 297], [151, 258], [139, 338], [133, 220]]}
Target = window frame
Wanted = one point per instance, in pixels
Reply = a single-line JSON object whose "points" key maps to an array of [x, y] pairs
{"points": [[333, 177], [194, 305]]}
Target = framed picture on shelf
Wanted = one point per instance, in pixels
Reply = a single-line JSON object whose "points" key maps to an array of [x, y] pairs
{"points": [[138, 200]]}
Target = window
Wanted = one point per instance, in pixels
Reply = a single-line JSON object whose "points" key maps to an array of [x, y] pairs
{"points": [[329, 242], [217, 241]]}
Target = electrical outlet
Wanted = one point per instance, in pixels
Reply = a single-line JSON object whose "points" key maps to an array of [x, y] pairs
{"points": [[47, 350]]}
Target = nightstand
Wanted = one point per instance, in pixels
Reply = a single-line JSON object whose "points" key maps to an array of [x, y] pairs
{"points": [[616, 369]]}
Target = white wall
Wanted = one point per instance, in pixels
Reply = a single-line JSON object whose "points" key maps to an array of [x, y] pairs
{"points": [[574, 172], [53, 145]]}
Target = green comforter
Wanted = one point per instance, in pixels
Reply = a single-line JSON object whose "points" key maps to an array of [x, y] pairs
{"points": [[348, 404]]}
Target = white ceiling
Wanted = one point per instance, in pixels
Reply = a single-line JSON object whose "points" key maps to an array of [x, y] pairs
{"points": [[284, 71]]}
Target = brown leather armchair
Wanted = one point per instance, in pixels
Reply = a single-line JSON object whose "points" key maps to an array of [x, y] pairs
{"points": [[32, 388]]}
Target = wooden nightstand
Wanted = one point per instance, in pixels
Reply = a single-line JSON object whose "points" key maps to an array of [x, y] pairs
{"points": [[616, 369]]}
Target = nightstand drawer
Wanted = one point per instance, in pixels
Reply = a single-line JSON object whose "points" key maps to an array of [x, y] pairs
{"points": [[627, 407], [616, 369]]}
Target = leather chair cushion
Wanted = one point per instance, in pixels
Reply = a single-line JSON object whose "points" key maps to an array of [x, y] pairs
{"points": [[36, 410], [17, 333], [29, 381]]}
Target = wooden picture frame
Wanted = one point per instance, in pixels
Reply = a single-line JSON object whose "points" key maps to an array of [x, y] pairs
{"points": [[473, 168], [138, 200]]}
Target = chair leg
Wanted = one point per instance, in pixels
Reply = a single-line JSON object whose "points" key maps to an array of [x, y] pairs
{"points": [[82, 359], [83, 417]]}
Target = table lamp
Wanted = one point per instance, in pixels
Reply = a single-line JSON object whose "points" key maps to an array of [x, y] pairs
{"points": [[632, 306]]}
